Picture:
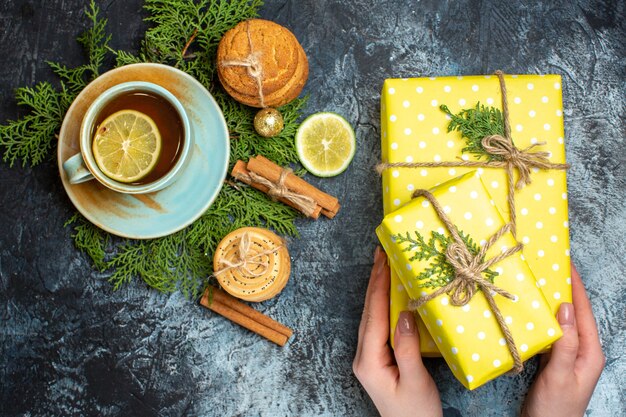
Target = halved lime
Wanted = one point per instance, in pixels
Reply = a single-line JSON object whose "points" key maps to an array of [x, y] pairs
{"points": [[126, 145], [325, 143]]}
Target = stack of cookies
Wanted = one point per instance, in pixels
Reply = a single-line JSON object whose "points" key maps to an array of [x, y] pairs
{"points": [[261, 64], [252, 264]]}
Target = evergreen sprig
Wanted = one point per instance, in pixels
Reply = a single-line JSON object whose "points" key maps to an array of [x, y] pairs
{"points": [[474, 124], [91, 240], [185, 34], [439, 271], [32, 137]]}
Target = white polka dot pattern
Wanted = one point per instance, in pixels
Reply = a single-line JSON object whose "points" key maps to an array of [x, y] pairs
{"points": [[414, 105]]}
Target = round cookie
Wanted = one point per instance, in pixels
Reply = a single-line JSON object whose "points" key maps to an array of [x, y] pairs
{"points": [[256, 50], [266, 270]]}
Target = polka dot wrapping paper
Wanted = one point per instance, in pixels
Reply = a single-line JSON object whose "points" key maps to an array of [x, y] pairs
{"points": [[469, 337], [414, 129]]}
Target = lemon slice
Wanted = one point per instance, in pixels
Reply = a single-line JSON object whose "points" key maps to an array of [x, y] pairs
{"points": [[325, 143], [126, 146]]}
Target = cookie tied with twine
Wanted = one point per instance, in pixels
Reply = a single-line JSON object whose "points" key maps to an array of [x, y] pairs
{"points": [[252, 264], [261, 64]]}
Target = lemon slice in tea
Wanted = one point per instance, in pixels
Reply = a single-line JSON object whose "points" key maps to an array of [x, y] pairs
{"points": [[325, 143], [126, 146]]}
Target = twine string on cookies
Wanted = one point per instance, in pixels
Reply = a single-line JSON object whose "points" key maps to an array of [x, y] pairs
{"points": [[252, 63], [513, 158], [244, 258], [467, 274], [276, 190]]}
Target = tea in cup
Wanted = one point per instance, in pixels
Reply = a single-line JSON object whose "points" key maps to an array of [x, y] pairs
{"points": [[134, 138]]}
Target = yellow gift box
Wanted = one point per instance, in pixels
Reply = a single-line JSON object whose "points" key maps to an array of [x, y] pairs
{"points": [[469, 337], [414, 129]]}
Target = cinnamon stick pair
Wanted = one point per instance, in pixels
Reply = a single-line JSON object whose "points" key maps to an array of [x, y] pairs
{"points": [[324, 203], [228, 306]]}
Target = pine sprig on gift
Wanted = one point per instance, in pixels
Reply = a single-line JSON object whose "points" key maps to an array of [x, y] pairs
{"points": [[439, 271], [474, 124], [185, 34]]}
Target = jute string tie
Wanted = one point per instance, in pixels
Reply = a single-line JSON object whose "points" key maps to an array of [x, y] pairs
{"points": [[253, 66], [278, 190], [512, 158], [468, 274], [245, 259]]}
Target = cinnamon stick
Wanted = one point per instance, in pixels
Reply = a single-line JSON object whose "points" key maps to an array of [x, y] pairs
{"points": [[266, 168], [244, 315], [241, 173], [331, 214]]}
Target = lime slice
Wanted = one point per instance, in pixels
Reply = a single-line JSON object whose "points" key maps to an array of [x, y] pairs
{"points": [[126, 146], [325, 143]]}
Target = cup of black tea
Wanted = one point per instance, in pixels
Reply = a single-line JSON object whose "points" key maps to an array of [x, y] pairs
{"points": [[135, 138]]}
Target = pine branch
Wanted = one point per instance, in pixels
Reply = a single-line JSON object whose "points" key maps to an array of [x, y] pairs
{"points": [[95, 41], [176, 22], [90, 240], [439, 271], [474, 124], [32, 137]]}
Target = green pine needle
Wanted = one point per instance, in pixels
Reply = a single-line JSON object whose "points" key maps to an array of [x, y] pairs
{"points": [[32, 137], [439, 272], [90, 239], [181, 261], [475, 124]]}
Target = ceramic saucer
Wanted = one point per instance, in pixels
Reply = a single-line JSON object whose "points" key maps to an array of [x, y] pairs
{"points": [[164, 212]]}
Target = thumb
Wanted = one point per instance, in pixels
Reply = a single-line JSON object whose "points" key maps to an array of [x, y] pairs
{"points": [[407, 348], [565, 350]]}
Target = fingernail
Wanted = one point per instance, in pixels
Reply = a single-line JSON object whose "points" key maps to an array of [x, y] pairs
{"points": [[566, 315], [381, 264], [377, 253], [406, 323]]}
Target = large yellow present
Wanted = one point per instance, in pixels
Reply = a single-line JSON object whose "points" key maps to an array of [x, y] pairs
{"points": [[471, 339], [415, 129]]}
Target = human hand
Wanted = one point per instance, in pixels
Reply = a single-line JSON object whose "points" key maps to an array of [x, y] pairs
{"points": [[569, 373], [397, 382]]}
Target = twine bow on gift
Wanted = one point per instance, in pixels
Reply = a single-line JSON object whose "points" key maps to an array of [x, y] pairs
{"points": [[468, 274], [252, 63], [276, 190], [521, 160], [512, 158], [244, 259]]}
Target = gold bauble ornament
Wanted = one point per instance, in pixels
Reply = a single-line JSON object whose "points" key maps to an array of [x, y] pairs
{"points": [[268, 122]]}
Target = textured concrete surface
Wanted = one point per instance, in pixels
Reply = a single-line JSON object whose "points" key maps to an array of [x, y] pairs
{"points": [[71, 346]]}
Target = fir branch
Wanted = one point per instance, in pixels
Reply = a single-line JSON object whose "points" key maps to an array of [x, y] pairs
{"points": [[439, 271], [95, 41], [90, 239], [474, 124], [166, 264], [73, 79], [132, 260], [32, 137], [176, 22]]}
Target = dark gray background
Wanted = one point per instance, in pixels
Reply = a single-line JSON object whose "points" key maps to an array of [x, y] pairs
{"points": [[69, 345]]}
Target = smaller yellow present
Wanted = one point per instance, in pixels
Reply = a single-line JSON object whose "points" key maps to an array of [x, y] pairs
{"points": [[455, 247]]}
